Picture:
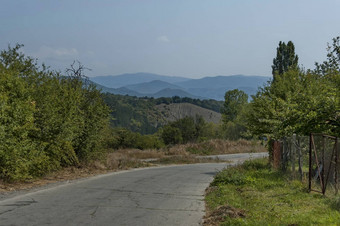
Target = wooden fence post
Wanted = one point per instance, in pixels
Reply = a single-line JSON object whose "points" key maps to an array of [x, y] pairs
{"points": [[310, 163], [293, 149], [276, 154], [300, 158]]}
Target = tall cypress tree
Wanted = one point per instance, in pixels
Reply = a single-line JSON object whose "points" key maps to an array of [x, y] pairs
{"points": [[285, 58]]}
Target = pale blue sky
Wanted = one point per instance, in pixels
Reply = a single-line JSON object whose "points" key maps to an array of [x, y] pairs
{"points": [[190, 38]]}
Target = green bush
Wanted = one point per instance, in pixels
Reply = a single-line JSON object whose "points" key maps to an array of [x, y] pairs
{"points": [[124, 138], [233, 176], [185, 130], [47, 121], [171, 135]]}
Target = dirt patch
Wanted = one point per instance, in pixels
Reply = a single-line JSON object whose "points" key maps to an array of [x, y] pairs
{"points": [[218, 215]]}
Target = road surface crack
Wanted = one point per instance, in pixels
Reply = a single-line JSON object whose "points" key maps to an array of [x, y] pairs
{"points": [[17, 205], [93, 214]]}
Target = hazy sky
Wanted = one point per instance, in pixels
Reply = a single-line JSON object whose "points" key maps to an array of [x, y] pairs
{"points": [[190, 38]]}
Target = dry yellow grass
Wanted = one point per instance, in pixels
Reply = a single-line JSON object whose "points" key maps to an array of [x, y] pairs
{"points": [[218, 146]]}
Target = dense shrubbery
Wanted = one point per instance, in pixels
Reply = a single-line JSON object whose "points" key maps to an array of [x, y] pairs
{"points": [[46, 120], [185, 130], [121, 138]]}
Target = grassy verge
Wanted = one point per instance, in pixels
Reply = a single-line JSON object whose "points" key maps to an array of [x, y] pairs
{"points": [[253, 194]]}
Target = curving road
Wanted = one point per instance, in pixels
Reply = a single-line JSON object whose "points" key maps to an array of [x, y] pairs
{"points": [[170, 195]]}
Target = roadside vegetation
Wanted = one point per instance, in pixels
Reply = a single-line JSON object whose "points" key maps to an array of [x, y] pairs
{"points": [[296, 101], [255, 194], [47, 121]]}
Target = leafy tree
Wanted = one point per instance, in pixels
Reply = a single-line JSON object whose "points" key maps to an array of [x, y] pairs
{"points": [[285, 58], [233, 114], [187, 127], [332, 65], [171, 135], [184, 130], [299, 101], [235, 100]]}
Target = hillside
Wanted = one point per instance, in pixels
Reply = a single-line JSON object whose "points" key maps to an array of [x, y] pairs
{"points": [[151, 87], [224, 81], [173, 112], [147, 115], [216, 87], [168, 92]]}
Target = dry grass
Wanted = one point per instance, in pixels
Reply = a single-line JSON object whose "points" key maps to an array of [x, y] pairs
{"points": [[68, 173], [219, 146], [220, 213]]}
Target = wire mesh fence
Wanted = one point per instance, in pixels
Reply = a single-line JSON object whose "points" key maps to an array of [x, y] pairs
{"points": [[311, 158]]}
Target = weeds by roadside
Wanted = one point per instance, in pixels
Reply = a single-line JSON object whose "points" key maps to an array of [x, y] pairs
{"points": [[219, 146], [264, 197]]}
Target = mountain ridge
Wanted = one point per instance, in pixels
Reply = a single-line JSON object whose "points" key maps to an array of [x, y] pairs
{"points": [[117, 81], [153, 85]]}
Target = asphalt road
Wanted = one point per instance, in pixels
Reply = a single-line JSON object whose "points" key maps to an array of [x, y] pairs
{"points": [[171, 195]]}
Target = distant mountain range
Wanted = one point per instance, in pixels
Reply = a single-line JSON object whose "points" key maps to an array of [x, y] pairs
{"points": [[153, 85], [117, 81]]}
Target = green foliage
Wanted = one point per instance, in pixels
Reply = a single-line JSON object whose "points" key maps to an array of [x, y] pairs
{"points": [[233, 131], [139, 114], [184, 130], [135, 114], [235, 100], [266, 195], [285, 59], [171, 135], [232, 176], [16, 121], [299, 102], [234, 108], [124, 138], [332, 64], [47, 120], [213, 105]]}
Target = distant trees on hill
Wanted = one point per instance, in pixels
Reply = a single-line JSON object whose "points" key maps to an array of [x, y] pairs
{"points": [[139, 115]]}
